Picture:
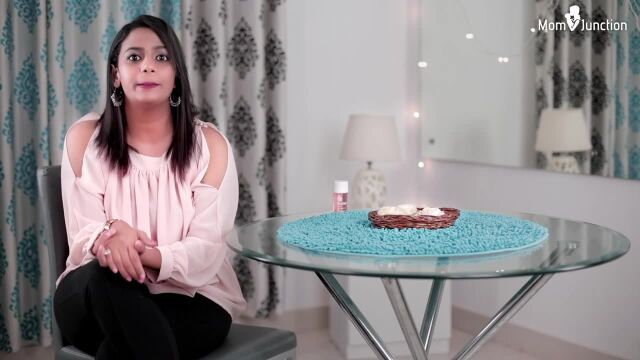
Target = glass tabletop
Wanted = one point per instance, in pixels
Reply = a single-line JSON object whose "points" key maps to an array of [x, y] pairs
{"points": [[571, 245]]}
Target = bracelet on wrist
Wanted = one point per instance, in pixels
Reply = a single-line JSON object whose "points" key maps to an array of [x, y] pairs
{"points": [[105, 227]]}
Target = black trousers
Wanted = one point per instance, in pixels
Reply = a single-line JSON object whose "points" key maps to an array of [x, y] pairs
{"points": [[103, 315]]}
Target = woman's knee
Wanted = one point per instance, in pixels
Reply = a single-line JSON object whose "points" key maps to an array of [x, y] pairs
{"points": [[97, 272], [103, 276], [103, 284], [76, 287], [72, 289]]}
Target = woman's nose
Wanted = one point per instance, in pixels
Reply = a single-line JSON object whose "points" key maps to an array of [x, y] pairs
{"points": [[147, 66]]}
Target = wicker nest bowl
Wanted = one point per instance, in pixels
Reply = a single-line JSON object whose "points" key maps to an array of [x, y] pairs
{"points": [[415, 221]]}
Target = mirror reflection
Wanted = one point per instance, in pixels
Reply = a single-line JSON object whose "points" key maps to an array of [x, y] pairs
{"points": [[548, 84]]}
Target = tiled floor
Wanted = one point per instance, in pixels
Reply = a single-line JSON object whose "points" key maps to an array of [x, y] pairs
{"points": [[315, 345]]}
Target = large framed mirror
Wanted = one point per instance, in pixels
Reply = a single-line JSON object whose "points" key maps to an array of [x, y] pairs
{"points": [[549, 84]]}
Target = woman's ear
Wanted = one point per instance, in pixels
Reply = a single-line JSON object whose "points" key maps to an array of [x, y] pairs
{"points": [[115, 75]]}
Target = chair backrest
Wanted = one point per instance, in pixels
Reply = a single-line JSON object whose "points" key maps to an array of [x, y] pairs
{"points": [[53, 211]]}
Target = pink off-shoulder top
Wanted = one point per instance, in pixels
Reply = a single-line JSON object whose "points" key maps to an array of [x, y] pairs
{"points": [[189, 219]]}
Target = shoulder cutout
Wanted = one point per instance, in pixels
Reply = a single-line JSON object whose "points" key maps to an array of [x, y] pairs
{"points": [[78, 138], [218, 157]]}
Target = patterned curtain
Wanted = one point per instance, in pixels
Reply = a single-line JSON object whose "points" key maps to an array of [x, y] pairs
{"points": [[598, 71], [52, 68]]}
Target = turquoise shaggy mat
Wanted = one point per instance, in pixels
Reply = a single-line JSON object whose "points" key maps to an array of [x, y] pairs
{"points": [[351, 232]]}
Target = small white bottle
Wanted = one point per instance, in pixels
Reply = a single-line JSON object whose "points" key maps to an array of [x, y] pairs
{"points": [[340, 195]]}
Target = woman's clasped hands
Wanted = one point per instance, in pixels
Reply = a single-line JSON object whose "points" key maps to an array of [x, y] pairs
{"points": [[120, 248]]}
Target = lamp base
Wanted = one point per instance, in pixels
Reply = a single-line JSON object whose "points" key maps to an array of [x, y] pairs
{"points": [[564, 163], [369, 189]]}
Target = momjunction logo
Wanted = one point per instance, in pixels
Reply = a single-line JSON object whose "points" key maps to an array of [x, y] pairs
{"points": [[573, 21]]}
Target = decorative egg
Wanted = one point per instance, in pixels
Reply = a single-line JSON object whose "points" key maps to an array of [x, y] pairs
{"points": [[431, 211], [408, 209], [388, 210]]}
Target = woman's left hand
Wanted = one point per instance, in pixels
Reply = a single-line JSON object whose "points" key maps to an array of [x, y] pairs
{"points": [[98, 250]]}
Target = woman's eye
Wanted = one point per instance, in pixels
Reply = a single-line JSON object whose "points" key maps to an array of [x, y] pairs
{"points": [[162, 58], [133, 57]]}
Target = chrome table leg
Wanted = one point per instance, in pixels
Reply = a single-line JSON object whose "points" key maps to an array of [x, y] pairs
{"points": [[517, 301], [355, 315], [512, 307], [431, 313], [394, 291]]}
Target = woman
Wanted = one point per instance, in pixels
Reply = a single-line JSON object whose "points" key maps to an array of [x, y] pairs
{"points": [[149, 193]]}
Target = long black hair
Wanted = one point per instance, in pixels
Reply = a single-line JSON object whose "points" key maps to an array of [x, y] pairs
{"points": [[111, 140]]}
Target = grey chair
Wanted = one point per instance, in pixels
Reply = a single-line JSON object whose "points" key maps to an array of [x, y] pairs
{"points": [[243, 341]]}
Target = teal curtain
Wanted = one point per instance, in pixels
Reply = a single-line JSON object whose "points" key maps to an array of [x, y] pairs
{"points": [[625, 132], [52, 71]]}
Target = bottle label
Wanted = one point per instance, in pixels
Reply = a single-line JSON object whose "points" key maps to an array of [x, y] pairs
{"points": [[340, 201]]}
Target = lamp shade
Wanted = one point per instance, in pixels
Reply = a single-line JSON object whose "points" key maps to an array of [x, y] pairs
{"points": [[562, 130], [371, 138]]}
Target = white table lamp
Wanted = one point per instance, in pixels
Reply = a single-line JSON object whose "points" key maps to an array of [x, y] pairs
{"points": [[370, 138], [562, 131]]}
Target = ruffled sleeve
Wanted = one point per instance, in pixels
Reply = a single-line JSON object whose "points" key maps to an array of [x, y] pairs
{"points": [[83, 202], [196, 260]]}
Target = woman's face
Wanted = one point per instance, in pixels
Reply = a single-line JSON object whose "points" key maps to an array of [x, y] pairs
{"points": [[145, 72]]}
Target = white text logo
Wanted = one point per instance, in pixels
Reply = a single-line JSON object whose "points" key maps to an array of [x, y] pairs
{"points": [[574, 20]]}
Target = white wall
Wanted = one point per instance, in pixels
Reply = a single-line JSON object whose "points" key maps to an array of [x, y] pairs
{"points": [[598, 308], [343, 57]]}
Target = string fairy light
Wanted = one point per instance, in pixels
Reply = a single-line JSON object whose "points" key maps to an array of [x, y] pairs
{"points": [[549, 10], [481, 43]]}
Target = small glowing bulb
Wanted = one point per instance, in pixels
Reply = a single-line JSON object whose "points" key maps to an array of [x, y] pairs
{"points": [[533, 30], [416, 114], [420, 164], [505, 59], [500, 59], [422, 64], [469, 36]]}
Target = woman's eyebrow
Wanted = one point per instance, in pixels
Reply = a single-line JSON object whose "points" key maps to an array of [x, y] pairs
{"points": [[139, 48]]}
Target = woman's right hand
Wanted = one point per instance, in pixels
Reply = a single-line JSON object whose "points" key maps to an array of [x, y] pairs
{"points": [[143, 242]]}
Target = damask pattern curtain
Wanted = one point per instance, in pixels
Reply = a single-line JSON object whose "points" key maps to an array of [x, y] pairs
{"points": [[598, 71], [52, 71]]}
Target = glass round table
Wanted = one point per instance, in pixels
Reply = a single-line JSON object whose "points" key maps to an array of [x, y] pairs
{"points": [[571, 245]]}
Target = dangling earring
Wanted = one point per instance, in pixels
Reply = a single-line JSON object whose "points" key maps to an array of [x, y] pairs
{"points": [[175, 103], [116, 97]]}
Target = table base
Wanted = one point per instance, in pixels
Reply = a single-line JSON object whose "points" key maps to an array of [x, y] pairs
{"points": [[419, 342]]}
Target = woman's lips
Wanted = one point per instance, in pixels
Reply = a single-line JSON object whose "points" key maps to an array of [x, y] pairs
{"points": [[147, 85]]}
